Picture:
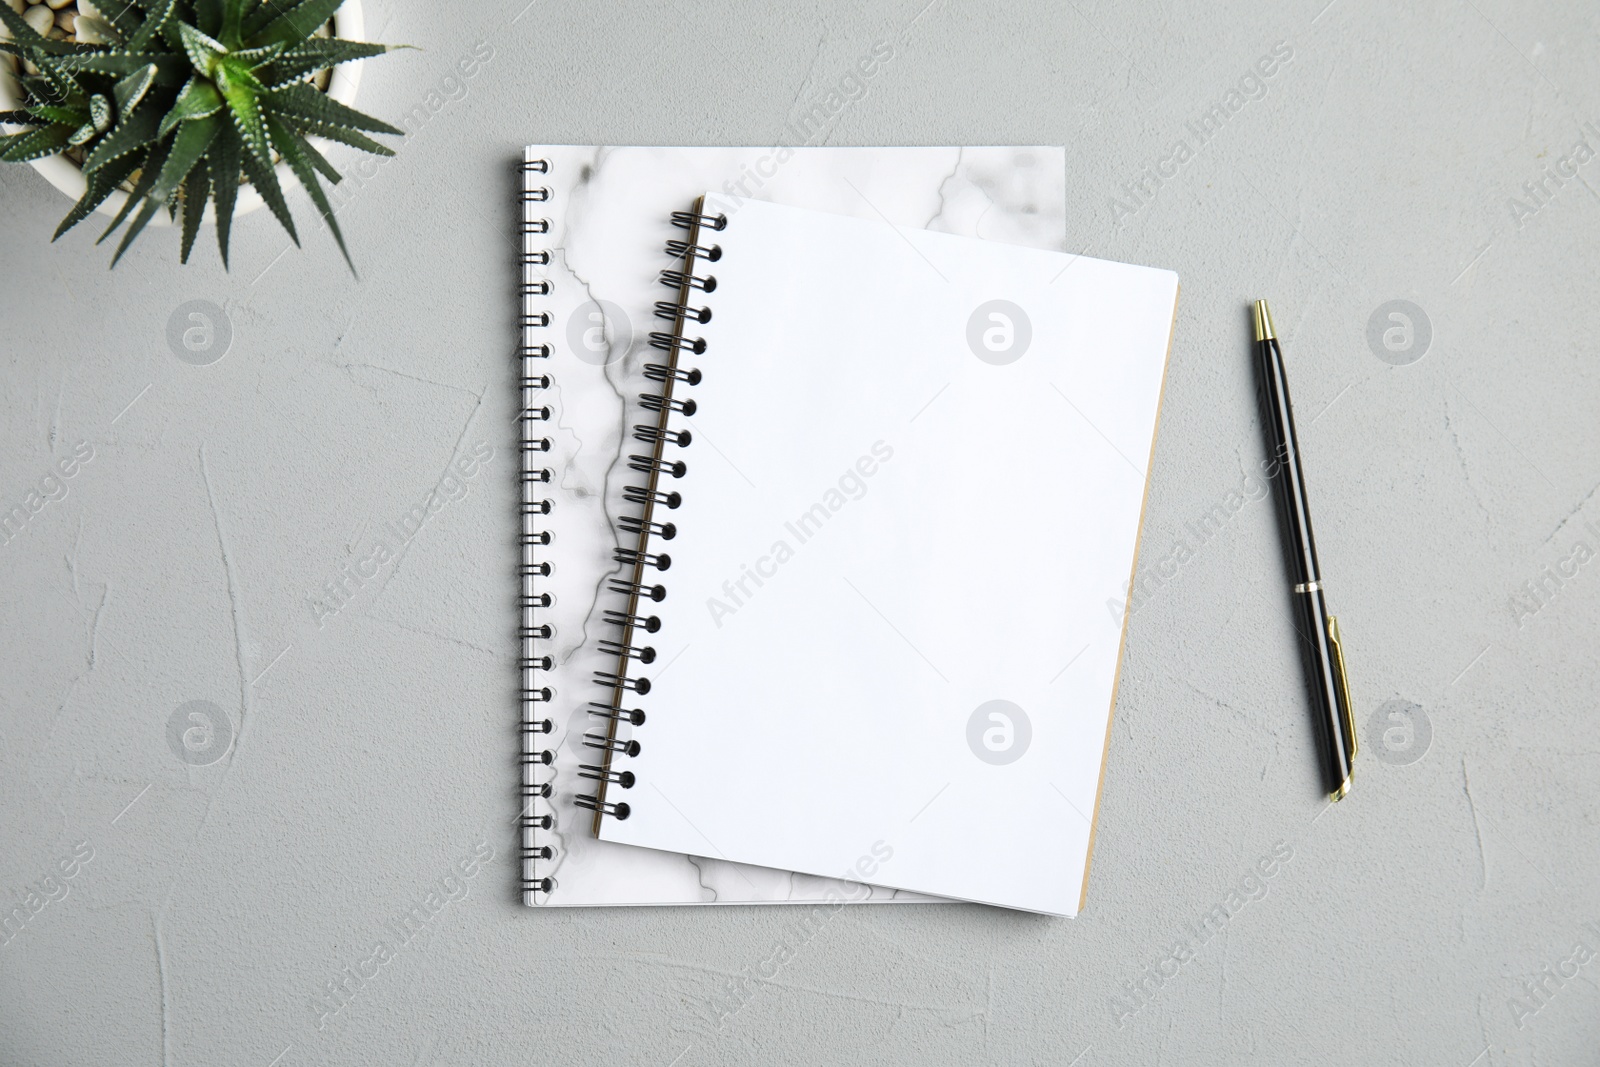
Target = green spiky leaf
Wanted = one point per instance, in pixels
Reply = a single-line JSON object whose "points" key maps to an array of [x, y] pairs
{"points": [[295, 24], [136, 227], [70, 116], [24, 34], [198, 100], [125, 18], [294, 150], [130, 90], [102, 28], [188, 147], [138, 130], [244, 102], [255, 57], [342, 135], [302, 101], [266, 182], [225, 170], [170, 69], [208, 17], [49, 47], [320, 161], [101, 113], [53, 83], [153, 161], [233, 12], [195, 189], [149, 34], [203, 51], [36, 144], [102, 183], [239, 72], [319, 53]]}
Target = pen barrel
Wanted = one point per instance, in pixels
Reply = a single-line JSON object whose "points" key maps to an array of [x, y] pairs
{"points": [[1316, 653], [1283, 446], [1300, 557]]}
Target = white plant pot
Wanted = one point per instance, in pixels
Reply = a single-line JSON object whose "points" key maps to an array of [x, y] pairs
{"points": [[64, 174]]}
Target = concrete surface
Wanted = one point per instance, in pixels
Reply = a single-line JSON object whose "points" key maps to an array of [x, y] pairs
{"points": [[1447, 913]]}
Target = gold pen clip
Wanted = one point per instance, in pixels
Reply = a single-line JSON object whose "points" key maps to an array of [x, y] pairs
{"points": [[1347, 718]]}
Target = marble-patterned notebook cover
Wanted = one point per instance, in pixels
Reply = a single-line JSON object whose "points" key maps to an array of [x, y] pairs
{"points": [[609, 211], [917, 466]]}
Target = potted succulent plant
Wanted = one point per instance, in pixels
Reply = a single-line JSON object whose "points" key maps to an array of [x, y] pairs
{"points": [[187, 105]]}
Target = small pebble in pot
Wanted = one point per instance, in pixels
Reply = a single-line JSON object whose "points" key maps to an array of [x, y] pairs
{"points": [[40, 18]]}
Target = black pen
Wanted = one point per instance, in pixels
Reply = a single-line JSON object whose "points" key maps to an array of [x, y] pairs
{"points": [[1319, 632]]}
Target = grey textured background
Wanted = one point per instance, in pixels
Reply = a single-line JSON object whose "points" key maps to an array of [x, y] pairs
{"points": [[373, 752]]}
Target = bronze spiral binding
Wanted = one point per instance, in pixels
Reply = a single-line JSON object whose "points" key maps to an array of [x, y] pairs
{"points": [[635, 582], [531, 662]]}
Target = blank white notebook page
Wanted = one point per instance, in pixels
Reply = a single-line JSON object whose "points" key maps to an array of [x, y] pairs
{"points": [[915, 480]]}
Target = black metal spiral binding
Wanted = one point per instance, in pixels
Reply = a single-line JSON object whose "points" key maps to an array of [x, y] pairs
{"points": [[648, 623], [683, 279], [658, 373], [611, 744], [637, 560], [666, 309], [600, 774], [653, 402], [600, 807], [633, 716], [683, 248], [531, 662], [669, 341], [651, 434], [635, 590], [654, 465], [635, 494], [621, 681], [643, 653], [635, 525], [694, 221], [659, 560]]}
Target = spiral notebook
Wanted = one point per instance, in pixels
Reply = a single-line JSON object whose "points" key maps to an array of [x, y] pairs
{"points": [[884, 487], [594, 221], [865, 637]]}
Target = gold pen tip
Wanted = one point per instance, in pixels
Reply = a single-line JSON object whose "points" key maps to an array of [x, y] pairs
{"points": [[1264, 330], [1342, 792]]}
